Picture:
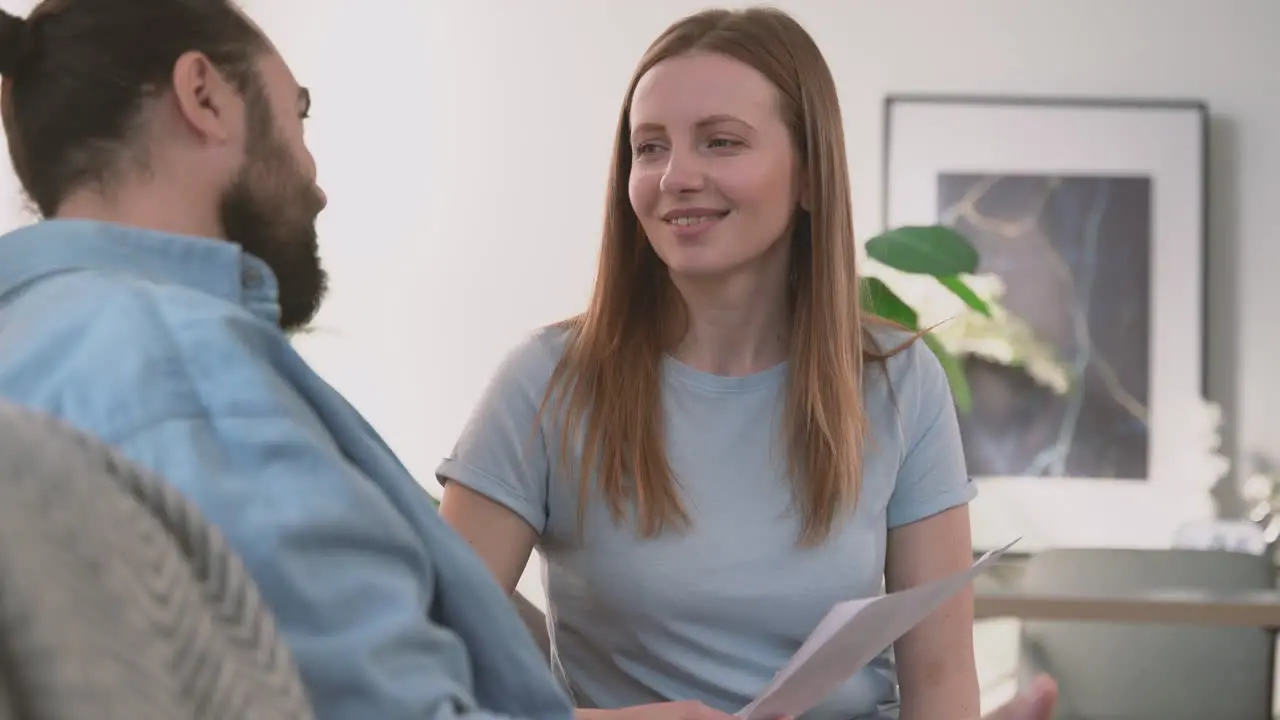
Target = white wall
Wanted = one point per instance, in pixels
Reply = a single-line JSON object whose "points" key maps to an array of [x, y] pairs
{"points": [[465, 143], [464, 146]]}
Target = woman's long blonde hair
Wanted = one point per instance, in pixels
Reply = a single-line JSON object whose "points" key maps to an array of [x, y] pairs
{"points": [[608, 383]]}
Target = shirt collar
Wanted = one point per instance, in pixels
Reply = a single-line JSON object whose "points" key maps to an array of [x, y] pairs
{"points": [[215, 267]]}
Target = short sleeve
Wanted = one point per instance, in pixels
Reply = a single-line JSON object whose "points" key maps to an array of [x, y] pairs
{"points": [[502, 451], [932, 477]]}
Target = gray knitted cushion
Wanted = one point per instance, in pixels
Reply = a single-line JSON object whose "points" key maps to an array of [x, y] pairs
{"points": [[117, 600]]}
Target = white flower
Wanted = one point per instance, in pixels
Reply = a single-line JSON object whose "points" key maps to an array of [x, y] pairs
{"points": [[1006, 339], [1203, 427], [1002, 338], [1257, 488]]}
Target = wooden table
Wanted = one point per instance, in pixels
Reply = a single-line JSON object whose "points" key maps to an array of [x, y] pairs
{"points": [[1192, 607]]}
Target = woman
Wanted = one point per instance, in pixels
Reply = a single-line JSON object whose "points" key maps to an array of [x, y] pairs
{"points": [[746, 449]]}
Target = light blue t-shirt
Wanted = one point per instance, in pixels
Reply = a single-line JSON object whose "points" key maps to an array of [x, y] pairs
{"points": [[169, 348], [711, 613]]}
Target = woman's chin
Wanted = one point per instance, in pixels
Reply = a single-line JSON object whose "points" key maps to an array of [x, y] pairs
{"points": [[698, 268]]}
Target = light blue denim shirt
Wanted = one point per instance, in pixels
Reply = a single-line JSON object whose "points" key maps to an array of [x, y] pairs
{"points": [[168, 348]]}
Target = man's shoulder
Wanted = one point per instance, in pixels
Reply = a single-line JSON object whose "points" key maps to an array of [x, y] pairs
{"points": [[139, 308], [111, 352]]}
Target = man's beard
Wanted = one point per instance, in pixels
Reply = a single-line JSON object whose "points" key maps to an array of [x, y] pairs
{"points": [[270, 210]]}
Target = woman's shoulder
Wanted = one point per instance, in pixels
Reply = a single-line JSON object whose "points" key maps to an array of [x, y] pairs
{"points": [[909, 375], [531, 361], [549, 341]]}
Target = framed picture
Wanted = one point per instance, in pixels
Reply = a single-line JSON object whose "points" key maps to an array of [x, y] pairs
{"points": [[1093, 216]]}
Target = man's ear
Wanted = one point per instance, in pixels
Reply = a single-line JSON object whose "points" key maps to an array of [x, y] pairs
{"points": [[205, 99]]}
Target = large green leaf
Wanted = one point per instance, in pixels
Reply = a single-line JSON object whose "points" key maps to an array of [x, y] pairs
{"points": [[962, 290], [878, 299], [954, 371], [926, 250]]}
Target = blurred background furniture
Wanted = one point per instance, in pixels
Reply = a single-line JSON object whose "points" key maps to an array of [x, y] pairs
{"points": [[1146, 634]]}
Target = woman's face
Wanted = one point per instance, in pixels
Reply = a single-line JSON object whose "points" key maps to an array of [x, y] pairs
{"points": [[713, 173]]}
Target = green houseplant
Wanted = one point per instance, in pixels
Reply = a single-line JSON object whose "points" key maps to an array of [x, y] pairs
{"points": [[926, 277]]}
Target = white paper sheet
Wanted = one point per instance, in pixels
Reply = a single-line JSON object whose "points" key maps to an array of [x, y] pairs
{"points": [[851, 635]]}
